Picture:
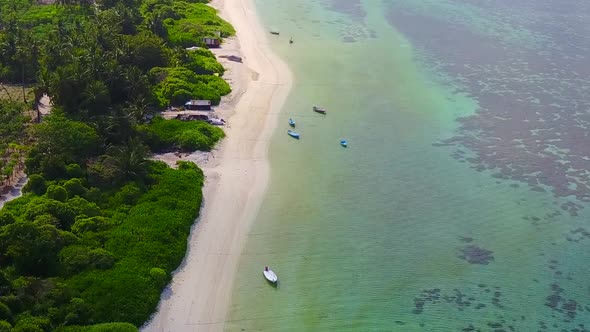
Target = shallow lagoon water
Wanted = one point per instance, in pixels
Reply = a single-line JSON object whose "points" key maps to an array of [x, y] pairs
{"points": [[436, 217]]}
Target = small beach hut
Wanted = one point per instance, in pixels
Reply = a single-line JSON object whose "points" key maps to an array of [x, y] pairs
{"points": [[212, 42], [198, 105]]}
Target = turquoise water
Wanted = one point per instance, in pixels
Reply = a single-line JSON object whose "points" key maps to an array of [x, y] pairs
{"points": [[436, 217]]}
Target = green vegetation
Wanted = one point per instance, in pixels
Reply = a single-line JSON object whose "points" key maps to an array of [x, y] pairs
{"points": [[12, 128], [179, 84], [184, 23], [163, 135], [106, 327], [100, 228]]}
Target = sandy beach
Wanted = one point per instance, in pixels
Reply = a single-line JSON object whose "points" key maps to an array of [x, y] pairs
{"points": [[237, 174]]}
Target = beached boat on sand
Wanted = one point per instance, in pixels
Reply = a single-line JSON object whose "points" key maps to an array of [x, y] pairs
{"points": [[293, 134], [319, 110], [291, 123], [270, 275]]}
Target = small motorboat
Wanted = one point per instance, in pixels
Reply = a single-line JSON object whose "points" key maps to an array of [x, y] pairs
{"points": [[319, 110], [343, 142], [217, 122], [291, 41], [274, 32], [293, 134], [270, 275], [291, 123]]}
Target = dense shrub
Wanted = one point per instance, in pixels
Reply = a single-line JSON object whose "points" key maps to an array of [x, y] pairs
{"points": [[32, 324], [74, 187], [74, 171], [127, 195], [59, 210], [61, 141], [177, 85], [191, 140], [186, 23], [106, 327], [82, 207], [153, 234], [159, 276], [147, 50], [201, 63], [92, 224], [5, 326], [31, 248], [189, 135], [36, 184], [112, 264], [57, 193], [6, 218], [5, 312], [77, 258], [46, 219]]}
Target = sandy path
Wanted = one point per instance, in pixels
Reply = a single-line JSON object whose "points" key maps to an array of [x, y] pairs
{"points": [[199, 295]]}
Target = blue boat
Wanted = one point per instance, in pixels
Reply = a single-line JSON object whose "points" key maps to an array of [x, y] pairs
{"points": [[293, 134], [291, 123], [344, 143]]}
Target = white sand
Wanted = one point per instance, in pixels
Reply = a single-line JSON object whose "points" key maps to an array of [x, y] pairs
{"points": [[237, 175], [16, 190]]}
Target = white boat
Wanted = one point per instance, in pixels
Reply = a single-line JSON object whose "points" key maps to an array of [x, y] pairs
{"points": [[270, 275], [217, 122]]}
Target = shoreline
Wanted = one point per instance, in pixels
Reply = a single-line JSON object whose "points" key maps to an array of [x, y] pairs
{"points": [[199, 295]]}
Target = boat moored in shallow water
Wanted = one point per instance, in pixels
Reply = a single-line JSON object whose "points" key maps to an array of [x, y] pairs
{"points": [[291, 123], [344, 142], [293, 134], [319, 110], [270, 275]]}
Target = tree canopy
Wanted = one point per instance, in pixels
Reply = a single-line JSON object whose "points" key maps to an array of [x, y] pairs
{"points": [[100, 227]]}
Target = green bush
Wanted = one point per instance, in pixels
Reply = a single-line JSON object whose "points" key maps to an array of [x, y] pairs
{"points": [[74, 259], [36, 184], [74, 171], [101, 259], [192, 140], [185, 23], [127, 195], [5, 326], [74, 187], [153, 234], [59, 210], [80, 206], [202, 64], [57, 193], [32, 248], [106, 327], [46, 219], [159, 276], [6, 218], [32, 324], [111, 265], [93, 195], [177, 85], [92, 224], [5, 312], [189, 135]]}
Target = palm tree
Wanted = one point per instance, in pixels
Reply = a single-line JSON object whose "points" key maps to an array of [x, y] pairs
{"points": [[96, 97], [139, 108], [130, 158]]}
